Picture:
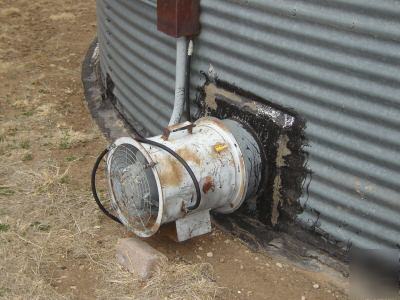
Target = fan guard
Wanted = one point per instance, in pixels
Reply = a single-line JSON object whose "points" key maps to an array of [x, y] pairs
{"points": [[134, 188]]}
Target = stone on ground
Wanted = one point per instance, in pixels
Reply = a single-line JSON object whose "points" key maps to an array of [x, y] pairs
{"points": [[138, 257]]}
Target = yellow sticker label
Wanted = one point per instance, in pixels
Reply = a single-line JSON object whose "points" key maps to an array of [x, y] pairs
{"points": [[220, 147]]}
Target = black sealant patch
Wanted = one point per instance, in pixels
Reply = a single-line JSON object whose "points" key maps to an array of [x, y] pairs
{"points": [[281, 132], [270, 217]]}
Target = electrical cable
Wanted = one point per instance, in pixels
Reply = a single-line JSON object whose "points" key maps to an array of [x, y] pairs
{"points": [[187, 80], [94, 190]]}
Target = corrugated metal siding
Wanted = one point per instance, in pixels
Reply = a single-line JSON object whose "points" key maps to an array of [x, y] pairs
{"points": [[335, 62], [139, 59]]}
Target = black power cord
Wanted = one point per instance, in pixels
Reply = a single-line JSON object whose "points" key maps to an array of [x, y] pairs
{"points": [[94, 190], [141, 139]]}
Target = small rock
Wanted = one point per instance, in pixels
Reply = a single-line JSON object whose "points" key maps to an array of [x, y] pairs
{"points": [[201, 248], [316, 286], [73, 287], [256, 258], [221, 260], [227, 241], [198, 256], [239, 292], [303, 297], [241, 267], [138, 257], [279, 265], [210, 254]]}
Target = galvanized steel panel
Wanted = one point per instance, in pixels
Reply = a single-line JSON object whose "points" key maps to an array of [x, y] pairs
{"points": [[335, 62], [133, 52]]}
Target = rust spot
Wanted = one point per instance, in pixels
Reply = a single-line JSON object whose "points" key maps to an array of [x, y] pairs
{"points": [[208, 185], [178, 17], [189, 155], [171, 172]]}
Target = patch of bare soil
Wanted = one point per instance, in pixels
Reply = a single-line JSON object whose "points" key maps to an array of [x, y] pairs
{"points": [[54, 242]]}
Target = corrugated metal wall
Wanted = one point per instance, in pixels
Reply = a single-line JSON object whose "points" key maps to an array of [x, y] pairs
{"points": [[335, 62], [140, 60]]}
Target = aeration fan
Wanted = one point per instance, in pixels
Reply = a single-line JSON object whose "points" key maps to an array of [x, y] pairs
{"points": [[181, 175]]}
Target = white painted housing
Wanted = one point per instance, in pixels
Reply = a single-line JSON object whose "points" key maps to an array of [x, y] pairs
{"points": [[150, 187]]}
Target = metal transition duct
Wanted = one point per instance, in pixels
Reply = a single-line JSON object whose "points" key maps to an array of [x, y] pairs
{"points": [[151, 187]]}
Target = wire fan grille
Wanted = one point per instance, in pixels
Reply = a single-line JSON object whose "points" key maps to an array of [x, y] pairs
{"points": [[134, 188]]}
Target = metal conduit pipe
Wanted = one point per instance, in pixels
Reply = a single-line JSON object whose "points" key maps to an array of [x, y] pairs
{"points": [[181, 61]]}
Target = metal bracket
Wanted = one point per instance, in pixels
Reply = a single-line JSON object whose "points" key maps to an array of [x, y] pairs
{"points": [[193, 225], [174, 128]]}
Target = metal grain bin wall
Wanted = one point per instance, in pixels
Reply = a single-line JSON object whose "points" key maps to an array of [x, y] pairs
{"points": [[335, 62]]}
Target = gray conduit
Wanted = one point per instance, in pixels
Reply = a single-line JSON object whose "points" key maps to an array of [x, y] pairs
{"points": [[181, 61]]}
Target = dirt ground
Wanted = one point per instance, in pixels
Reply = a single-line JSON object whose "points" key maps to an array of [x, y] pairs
{"points": [[54, 242]]}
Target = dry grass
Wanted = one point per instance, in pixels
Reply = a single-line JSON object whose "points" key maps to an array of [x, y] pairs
{"points": [[10, 12], [183, 281], [51, 229], [28, 240], [67, 138], [62, 16], [177, 280], [60, 226]]}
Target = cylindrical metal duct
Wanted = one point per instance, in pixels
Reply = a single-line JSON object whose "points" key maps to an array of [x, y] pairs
{"points": [[150, 187]]}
